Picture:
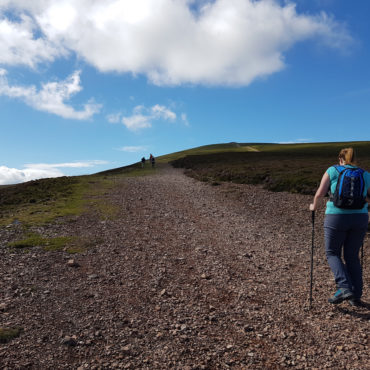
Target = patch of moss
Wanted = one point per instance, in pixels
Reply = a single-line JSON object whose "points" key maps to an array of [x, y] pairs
{"points": [[32, 240], [71, 245], [36, 240], [7, 334]]}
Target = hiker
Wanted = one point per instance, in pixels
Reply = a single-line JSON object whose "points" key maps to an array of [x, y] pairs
{"points": [[344, 228], [142, 162], [152, 160]]}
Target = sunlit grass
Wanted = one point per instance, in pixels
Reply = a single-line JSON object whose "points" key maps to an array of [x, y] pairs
{"points": [[69, 244], [48, 200]]}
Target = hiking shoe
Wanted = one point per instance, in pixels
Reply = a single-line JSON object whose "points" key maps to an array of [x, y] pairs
{"points": [[341, 295], [355, 302]]}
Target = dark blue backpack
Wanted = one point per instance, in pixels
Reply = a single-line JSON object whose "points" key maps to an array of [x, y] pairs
{"points": [[349, 192]]}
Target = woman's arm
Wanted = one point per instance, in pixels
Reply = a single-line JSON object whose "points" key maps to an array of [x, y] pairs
{"points": [[321, 191]]}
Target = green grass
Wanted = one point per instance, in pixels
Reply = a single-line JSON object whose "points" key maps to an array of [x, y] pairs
{"points": [[48, 200], [42, 201], [36, 240], [7, 334], [209, 149], [62, 200], [70, 244]]}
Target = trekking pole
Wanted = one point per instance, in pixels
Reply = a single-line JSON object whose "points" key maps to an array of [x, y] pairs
{"points": [[312, 250]]}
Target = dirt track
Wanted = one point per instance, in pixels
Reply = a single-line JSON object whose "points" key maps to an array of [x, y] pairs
{"points": [[189, 276]]}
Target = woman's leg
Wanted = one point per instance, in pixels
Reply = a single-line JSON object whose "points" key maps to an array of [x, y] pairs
{"points": [[335, 236], [352, 245]]}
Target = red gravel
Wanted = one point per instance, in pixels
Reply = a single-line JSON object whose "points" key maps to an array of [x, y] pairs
{"points": [[189, 276]]}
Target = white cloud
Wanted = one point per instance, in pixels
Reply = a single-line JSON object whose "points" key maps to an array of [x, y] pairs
{"points": [[19, 46], [15, 176], [40, 171], [143, 117], [160, 111], [51, 97], [137, 122], [132, 149], [214, 42]]}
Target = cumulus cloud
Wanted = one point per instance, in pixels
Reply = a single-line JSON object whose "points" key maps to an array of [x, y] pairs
{"points": [[143, 117], [160, 111], [40, 170], [211, 42], [137, 122], [51, 97], [15, 176], [20, 46]]}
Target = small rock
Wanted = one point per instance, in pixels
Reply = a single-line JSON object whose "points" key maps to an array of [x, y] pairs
{"points": [[126, 349], [72, 263], [69, 341]]}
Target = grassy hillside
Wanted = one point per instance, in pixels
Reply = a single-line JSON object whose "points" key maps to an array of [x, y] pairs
{"points": [[279, 167], [46, 200], [211, 149]]}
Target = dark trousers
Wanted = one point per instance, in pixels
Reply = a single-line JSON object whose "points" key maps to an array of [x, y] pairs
{"points": [[345, 233]]}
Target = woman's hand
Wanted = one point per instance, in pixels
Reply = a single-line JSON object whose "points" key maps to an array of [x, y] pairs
{"points": [[312, 207]]}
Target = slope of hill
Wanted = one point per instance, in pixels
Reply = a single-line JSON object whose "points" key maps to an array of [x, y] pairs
{"points": [[162, 271]]}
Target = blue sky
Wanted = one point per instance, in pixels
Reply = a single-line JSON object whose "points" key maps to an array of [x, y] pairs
{"points": [[90, 85]]}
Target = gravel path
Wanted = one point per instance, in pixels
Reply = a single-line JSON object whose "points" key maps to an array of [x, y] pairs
{"points": [[189, 276]]}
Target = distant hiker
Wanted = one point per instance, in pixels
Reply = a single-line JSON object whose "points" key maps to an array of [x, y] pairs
{"points": [[152, 160], [142, 162], [345, 225]]}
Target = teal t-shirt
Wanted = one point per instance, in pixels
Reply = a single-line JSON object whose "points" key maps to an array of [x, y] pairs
{"points": [[333, 175]]}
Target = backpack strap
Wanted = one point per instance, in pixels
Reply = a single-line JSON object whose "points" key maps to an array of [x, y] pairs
{"points": [[340, 169]]}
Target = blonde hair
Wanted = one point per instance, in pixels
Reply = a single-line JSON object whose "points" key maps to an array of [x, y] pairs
{"points": [[348, 156]]}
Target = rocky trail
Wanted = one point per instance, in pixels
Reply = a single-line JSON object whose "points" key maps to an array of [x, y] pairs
{"points": [[188, 276]]}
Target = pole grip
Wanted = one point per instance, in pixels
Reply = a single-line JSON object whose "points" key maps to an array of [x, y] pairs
{"points": [[313, 217]]}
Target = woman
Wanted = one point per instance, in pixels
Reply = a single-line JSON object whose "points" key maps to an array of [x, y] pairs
{"points": [[344, 229]]}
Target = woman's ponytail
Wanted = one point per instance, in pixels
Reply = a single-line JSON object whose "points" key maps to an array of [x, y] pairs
{"points": [[348, 156]]}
